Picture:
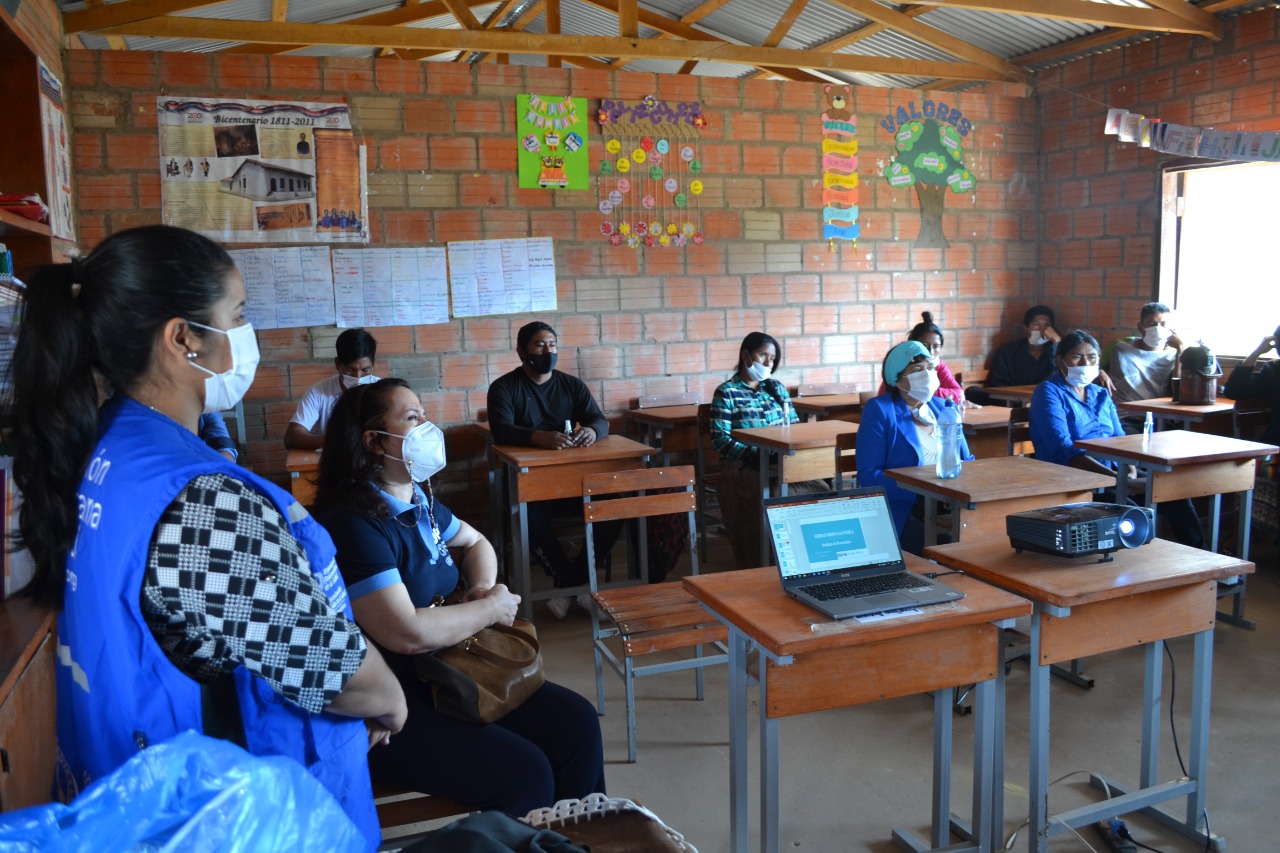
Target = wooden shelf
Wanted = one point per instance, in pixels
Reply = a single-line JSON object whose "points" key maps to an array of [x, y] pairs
{"points": [[12, 223]]}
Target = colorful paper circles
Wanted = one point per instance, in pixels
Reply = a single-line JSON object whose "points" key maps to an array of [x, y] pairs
{"points": [[681, 200], [613, 146], [624, 185], [686, 153], [655, 173], [663, 146], [648, 202], [695, 187], [639, 155], [646, 144], [671, 185], [624, 165], [606, 206]]}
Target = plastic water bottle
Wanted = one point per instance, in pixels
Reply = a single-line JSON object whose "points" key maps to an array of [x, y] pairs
{"points": [[1148, 425], [950, 428]]}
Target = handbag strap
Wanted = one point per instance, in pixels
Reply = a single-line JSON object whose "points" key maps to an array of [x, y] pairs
{"points": [[472, 646]]}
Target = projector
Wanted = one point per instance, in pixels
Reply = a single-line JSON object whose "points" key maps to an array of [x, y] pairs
{"points": [[1076, 530]]}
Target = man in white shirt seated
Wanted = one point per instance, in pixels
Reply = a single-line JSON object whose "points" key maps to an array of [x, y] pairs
{"points": [[1142, 365], [357, 352]]}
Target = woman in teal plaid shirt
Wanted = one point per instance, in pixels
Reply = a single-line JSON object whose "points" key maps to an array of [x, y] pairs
{"points": [[750, 398]]}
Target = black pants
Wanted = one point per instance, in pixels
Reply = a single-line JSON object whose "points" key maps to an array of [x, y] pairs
{"points": [[546, 750], [545, 546]]}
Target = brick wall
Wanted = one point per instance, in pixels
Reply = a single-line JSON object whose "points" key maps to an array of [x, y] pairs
{"points": [[1100, 199], [40, 23], [441, 142]]}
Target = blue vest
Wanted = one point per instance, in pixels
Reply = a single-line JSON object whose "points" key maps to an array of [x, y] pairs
{"points": [[117, 691]]}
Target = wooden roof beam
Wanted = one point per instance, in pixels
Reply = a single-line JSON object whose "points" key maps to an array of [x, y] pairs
{"points": [[395, 17], [1088, 12], [97, 17]]}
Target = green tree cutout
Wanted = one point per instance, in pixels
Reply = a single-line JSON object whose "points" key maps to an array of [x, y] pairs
{"points": [[930, 158]]}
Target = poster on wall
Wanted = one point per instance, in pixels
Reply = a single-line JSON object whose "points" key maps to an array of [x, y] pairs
{"points": [[286, 287], [930, 142], [552, 149], [650, 181], [244, 171], [839, 166], [57, 162], [502, 276], [390, 287]]}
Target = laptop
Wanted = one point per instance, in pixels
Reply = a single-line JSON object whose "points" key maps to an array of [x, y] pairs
{"points": [[838, 553]]}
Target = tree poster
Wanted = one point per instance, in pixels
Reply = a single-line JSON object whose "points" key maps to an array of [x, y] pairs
{"points": [[552, 149], [930, 157]]}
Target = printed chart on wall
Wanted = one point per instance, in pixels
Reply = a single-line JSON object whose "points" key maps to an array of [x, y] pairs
{"points": [[553, 143], [502, 276], [57, 161], [650, 178], [390, 287], [286, 287], [262, 171]]}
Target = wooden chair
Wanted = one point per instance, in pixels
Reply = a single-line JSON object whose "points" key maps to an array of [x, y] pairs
{"points": [[650, 617], [1020, 432], [708, 478], [823, 389], [846, 459], [399, 808], [976, 376]]}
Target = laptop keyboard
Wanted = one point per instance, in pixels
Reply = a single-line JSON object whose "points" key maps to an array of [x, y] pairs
{"points": [[862, 586]]}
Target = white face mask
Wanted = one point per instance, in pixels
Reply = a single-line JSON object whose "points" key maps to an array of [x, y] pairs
{"points": [[353, 381], [758, 372], [423, 449], [922, 385], [1079, 377], [224, 390], [1155, 336], [1037, 338]]}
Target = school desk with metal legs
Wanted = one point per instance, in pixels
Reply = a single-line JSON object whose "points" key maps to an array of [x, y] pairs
{"points": [[1142, 597], [806, 662]]}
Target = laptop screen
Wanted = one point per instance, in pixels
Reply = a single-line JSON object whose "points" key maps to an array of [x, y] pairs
{"points": [[836, 531]]}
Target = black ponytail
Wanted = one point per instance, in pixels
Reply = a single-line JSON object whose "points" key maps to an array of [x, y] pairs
{"points": [[88, 331]]}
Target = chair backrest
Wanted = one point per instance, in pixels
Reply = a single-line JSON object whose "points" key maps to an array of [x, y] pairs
{"points": [[675, 491], [1020, 431], [1250, 418], [825, 388], [976, 376], [867, 396], [658, 401], [846, 457]]}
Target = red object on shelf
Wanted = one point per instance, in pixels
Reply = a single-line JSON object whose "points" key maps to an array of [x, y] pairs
{"points": [[29, 206]]}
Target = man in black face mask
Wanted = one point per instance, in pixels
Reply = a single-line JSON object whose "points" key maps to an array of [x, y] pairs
{"points": [[536, 405]]}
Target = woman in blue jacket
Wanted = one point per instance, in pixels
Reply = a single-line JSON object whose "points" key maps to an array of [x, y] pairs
{"points": [[897, 430]]}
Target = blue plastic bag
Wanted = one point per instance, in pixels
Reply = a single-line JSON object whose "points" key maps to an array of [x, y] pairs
{"points": [[193, 794]]}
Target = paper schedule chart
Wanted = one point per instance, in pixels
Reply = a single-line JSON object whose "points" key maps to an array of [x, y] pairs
{"points": [[390, 287], [502, 276], [286, 287]]}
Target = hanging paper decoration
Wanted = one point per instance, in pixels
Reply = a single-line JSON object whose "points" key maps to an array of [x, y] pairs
{"points": [[647, 191], [552, 151], [839, 167]]}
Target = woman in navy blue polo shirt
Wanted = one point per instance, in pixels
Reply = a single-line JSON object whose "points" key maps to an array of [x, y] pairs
{"points": [[402, 553]]}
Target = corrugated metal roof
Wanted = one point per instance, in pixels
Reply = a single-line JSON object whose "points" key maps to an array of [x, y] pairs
{"points": [[1007, 36]]}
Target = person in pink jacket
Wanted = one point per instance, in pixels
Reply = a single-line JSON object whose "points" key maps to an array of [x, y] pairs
{"points": [[927, 333]]}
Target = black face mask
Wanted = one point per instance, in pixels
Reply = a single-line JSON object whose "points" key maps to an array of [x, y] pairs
{"points": [[541, 364]]}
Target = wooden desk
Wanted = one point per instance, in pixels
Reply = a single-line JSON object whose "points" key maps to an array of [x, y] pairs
{"points": [[302, 466], [1181, 464], [536, 474], [1084, 607], [987, 431], [987, 490], [28, 735], [792, 453], [805, 662], [844, 407], [671, 429], [1017, 394], [1163, 410]]}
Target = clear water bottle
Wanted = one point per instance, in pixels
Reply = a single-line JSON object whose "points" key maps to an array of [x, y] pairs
{"points": [[1148, 425], [950, 428]]}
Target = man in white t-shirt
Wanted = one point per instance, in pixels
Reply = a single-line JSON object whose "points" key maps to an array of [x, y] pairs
{"points": [[1142, 365], [357, 352]]}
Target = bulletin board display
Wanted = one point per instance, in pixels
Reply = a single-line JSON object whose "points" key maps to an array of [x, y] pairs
{"points": [[650, 175]]}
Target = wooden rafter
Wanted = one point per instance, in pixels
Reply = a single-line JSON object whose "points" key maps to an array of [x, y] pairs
{"points": [[279, 10], [553, 28], [417, 38], [856, 36], [1193, 13], [407, 14], [628, 12], [1088, 12], [97, 17], [1107, 38], [785, 23], [113, 42]]}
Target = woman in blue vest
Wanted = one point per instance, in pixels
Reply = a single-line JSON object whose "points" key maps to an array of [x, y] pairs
{"points": [[403, 553], [194, 594], [897, 430]]}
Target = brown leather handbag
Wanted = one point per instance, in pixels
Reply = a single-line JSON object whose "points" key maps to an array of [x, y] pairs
{"points": [[487, 675]]}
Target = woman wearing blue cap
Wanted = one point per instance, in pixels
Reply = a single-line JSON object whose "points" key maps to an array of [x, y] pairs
{"points": [[897, 431]]}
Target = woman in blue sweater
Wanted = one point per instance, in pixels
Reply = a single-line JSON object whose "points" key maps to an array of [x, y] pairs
{"points": [[897, 430]]}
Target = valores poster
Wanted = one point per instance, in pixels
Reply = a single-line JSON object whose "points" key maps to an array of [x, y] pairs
{"points": [[262, 171]]}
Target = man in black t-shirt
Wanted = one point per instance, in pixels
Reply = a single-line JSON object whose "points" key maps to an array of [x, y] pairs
{"points": [[536, 405]]}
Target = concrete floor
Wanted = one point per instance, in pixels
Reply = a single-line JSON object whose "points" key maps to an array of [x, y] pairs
{"points": [[850, 776]]}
